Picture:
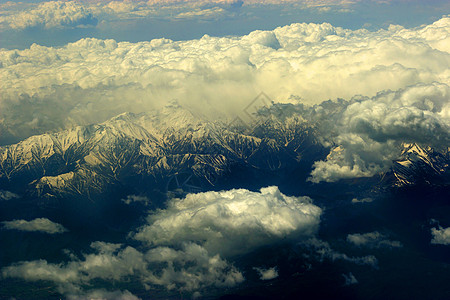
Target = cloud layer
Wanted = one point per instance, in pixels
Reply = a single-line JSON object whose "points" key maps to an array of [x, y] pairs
{"points": [[69, 14], [51, 14], [92, 80], [39, 224]]}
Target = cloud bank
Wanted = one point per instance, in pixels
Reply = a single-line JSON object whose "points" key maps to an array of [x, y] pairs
{"points": [[92, 80], [69, 14], [51, 14], [39, 224]]}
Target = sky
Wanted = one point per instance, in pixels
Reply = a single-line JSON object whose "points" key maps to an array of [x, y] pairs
{"points": [[53, 23], [371, 75], [92, 60]]}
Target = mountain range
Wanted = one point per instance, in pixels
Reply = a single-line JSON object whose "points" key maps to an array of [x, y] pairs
{"points": [[173, 149]]}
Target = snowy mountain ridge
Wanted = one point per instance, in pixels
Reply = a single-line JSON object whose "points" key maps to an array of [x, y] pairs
{"points": [[159, 145]]}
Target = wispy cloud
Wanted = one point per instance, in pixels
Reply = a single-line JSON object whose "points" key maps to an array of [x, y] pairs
{"points": [[372, 240], [39, 224]]}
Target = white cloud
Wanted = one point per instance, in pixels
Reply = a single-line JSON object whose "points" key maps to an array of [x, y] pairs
{"points": [[39, 224], [369, 132], [136, 199], [372, 240], [206, 13], [267, 274], [103, 295], [364, 200], [7, 195], [173, 10], [70, 14], [440, 236], [199, 269], [52, 14], [188, 269], [185, 244], [324, 251], [232, 222], [93, 80]]}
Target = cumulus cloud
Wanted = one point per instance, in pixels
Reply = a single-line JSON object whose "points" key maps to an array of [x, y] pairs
{"points": [[109, 262], [440, 236], [267, 274], [368, 133], [187, 269], [232, 222], [372, 240], [184, 244], [199, 269], [90, 80], [52, 14], [39, 224], [70, 14]]}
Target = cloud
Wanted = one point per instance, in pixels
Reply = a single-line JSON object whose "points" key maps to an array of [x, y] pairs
{"points": [[136, 199], [267, 274], [39, 224], [368, 134], [324, 251], [7, 195], [172, 10], [350, 279], [110, 262], [70, 14], [372, 240], [364, 200], [103, 294], [232, 222], [188, 269], [440, 236], [207, 13], [92, 80], [185, 244], [199, 269], [52, 14]]}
